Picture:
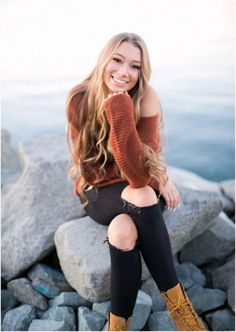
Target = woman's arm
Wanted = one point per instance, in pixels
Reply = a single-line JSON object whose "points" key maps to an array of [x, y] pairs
{"points": [[150, 105], [125, 143]]}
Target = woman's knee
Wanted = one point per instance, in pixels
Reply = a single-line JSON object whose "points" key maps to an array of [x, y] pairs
{"points": [[122, 232], [140, 197]]}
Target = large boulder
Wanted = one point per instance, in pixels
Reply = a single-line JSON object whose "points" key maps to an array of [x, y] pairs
{"points": [[11, 167], [191, 180], [228, 188], [84, 257], [40, 201], [215, 243]]}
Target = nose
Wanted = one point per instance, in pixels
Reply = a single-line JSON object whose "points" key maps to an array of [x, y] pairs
{"points": [[123, 70]]}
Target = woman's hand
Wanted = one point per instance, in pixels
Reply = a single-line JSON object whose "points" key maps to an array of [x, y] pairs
{"points": [[171, 195], [116, 93]]}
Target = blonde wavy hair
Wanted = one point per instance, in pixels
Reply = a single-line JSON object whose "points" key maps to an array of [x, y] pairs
{"points": [[88, 128]]}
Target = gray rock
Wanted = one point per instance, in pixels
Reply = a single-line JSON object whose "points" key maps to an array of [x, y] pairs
{"points": [[9, 157], [48, 281], [229, 206], [102, 308], [89, 320], [65, 314], [228, 188], [19, 319], [71, 299], [231, 293], [22, 289], [141, 311], [8, 300], [3, 313], [48, 325], [149, 286], [160, 321], [197, 212], [191, 180], [190, 275], [222, 275], [37, 204], [221, 320], [204, 299], [215, 243], [89, 274], [11, 168], [105, 327]]}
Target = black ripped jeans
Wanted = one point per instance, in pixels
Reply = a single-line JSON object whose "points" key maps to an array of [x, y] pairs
{"points": [[153, 243]]}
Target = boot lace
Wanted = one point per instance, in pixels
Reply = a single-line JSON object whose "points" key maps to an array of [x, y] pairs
{"points": [[186, 312]]}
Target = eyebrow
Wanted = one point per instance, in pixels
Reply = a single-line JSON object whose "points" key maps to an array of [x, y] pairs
{"points": [[124, 57]]}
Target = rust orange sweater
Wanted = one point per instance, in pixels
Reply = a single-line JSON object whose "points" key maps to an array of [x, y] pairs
{"points": [[126, 142]]}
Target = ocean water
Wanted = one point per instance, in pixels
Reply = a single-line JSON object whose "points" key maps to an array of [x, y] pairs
{"points": [[198, 114]]}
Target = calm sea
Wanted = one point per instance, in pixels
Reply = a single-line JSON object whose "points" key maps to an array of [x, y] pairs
{"points": [[198, 112]]}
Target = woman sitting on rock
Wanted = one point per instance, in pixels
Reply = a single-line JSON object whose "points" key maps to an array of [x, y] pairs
{"points": [[114, 121]]}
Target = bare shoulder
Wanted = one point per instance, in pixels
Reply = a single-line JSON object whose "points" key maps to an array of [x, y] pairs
{"points": [[150, 103]]}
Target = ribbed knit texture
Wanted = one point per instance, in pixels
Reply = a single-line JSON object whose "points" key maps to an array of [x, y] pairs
{"points": [[126, 142]]}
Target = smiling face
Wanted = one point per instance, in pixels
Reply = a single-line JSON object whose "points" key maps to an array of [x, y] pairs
{"points": [[123, 70]]}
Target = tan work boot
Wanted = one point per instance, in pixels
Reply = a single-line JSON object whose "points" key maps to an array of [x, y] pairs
{"points": [[181, 310], [117, 323]]}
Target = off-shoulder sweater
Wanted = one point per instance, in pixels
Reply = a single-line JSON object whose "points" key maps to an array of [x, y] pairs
{"points": [[126, 139]]}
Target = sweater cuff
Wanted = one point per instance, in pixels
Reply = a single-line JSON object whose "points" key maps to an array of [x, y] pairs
{"points": [[118, 100]]}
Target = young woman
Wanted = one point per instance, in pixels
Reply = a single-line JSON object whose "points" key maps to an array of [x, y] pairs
{"points": [[114, 122]]}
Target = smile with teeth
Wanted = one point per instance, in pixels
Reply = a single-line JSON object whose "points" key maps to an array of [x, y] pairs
{"points": [[117, 80]]}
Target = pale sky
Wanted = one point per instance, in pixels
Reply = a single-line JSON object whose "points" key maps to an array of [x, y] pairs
{"points": [[45, 38]]}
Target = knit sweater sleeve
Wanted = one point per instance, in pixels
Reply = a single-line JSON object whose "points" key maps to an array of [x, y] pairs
{"points": [[72, 116], [125, 143]]}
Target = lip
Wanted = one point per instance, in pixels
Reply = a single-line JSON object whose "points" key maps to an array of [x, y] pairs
{"points": [[124, 83]]}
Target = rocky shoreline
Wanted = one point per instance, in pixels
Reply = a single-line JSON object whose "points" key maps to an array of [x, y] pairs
{"points": [[56, 265]]}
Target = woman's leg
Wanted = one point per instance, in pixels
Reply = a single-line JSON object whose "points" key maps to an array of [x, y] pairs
{"points": [[153, 235], [124, 253], [106, 208], [156, 251]]}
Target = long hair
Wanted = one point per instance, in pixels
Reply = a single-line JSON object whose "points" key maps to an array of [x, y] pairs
{"points": [[89, 144]]}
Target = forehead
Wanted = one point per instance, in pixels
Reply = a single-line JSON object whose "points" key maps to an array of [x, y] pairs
{"points": [[129, 51]]}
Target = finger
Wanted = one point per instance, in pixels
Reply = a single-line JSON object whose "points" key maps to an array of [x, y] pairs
{"points": [[168, 200], [171, 200]]}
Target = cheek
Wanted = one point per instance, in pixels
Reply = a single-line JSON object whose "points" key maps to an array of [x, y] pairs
{"points": [[110, 68], [135, 77]]}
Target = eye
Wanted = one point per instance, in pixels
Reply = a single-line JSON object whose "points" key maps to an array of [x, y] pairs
{"points": [[136, 67], [116, 59]]}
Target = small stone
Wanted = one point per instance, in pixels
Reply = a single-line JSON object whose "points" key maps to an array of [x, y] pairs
{"points": [[222, 275], [204, 299], [160, 321], [231, 294], [8, 300], [47, 325], [190, 275], [141, 311], [90, 320], [102, 308], [221, 320], [48, 281], [149, 287], [71, 299], [19, 319], [64, 313], [22, 289]]}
